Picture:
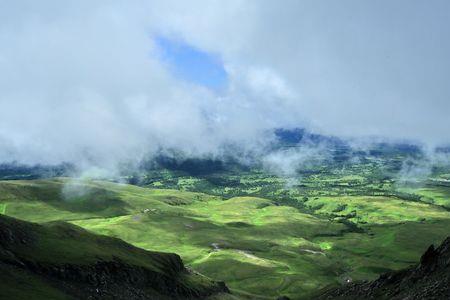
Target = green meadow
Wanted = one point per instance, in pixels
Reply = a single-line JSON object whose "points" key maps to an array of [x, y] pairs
{"points": [[262, 238]]}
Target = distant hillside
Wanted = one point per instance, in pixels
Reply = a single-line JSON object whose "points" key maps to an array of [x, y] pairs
{"points": [[232, 161], [57, 260], [430, 279], [14, 170]]}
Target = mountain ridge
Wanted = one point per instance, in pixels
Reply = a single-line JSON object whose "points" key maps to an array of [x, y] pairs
{"points": [[57, 260], [429, 279]]}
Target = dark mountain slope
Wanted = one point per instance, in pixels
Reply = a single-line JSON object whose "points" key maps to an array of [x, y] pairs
{"points": [[58, 260], [430, 279]]}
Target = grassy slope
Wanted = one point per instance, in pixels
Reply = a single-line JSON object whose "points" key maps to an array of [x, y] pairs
{"points": [[439, 195], [253, 245], [16, 284], [58, 244]]}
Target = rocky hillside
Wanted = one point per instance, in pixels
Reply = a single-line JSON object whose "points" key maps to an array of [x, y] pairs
{"points": [[430, 279], [58, 260]]}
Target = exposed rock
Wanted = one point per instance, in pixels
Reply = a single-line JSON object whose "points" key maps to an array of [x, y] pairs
{"points": [[430, 279]]}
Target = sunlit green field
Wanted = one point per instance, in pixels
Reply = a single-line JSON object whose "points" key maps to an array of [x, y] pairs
{"points": [[259, 246]]}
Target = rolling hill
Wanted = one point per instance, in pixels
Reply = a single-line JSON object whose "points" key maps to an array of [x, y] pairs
{"points": [[57, 260], [261, 248]]}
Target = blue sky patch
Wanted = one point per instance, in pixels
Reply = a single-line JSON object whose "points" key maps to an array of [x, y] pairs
{"points": [[192, 64]]}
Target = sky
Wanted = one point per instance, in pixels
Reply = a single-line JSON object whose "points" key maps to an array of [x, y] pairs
{"points": [[108, 81], [191, 64]]}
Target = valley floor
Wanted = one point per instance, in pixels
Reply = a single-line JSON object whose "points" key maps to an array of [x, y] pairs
{"points": [[259, 247]]}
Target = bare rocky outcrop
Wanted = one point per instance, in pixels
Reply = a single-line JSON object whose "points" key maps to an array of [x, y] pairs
{"points": [[430, 279]]}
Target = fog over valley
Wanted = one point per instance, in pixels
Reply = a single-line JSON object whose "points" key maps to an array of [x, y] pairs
{"points": [[105, 82]]}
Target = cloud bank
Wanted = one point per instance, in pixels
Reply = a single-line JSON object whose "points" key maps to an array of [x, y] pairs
{"points": [[83, 81]]}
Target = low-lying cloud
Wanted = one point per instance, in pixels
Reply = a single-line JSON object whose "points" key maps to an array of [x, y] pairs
{"points": [[82, 81]]}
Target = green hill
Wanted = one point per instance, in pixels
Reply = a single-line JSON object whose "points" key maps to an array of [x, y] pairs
{"points": [[57, 260], [261, 249]]}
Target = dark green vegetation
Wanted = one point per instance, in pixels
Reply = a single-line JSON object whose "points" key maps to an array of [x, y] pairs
{"points": [[58, 260], [351, 215]]}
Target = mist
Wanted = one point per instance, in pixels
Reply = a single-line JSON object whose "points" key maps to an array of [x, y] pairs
{"points": [[418, 170], [84, 82]]}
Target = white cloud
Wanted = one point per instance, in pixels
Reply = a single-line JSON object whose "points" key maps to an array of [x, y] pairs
{"points": [[81, 81]]}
